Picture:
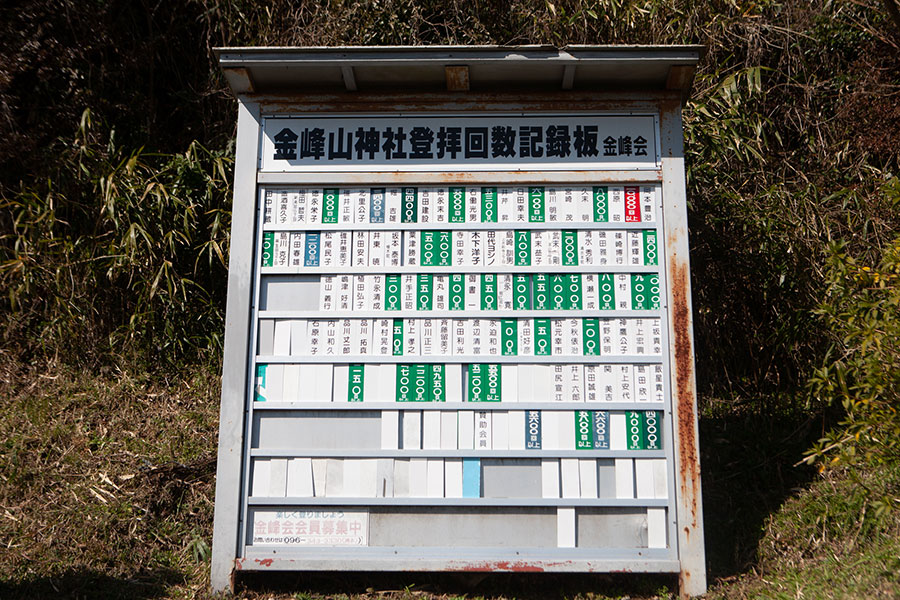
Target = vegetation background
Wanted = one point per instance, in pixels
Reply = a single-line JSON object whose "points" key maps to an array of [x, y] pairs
{"points": [[116, 152]]}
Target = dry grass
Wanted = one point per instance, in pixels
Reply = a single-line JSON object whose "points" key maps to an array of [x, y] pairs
{"points": [[826, 543], [107, 483]]}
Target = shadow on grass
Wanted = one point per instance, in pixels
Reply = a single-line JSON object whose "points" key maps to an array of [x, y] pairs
{"points": [[93, 585], [522, 586], [748, 472]]}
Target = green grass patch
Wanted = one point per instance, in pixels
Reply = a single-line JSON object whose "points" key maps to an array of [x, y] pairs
{"points": [[828, 542]]}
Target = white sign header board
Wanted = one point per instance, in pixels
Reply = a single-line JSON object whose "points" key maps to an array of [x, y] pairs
{"points": [[430, 143]]}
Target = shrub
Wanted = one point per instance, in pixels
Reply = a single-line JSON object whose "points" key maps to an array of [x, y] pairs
{"points": [[861, 371], [119, 251]]}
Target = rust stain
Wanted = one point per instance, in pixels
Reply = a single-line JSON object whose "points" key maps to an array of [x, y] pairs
{"points": [[684, 581], [689, 477], [457, 78], [263, 562], [451, 176], [670, 104], [514, 567], [232, 577]]}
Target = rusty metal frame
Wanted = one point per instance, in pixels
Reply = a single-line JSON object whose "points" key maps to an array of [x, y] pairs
{"points": [[692, 554]]}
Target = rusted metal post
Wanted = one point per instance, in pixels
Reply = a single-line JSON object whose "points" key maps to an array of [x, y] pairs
{"points": [[689, 517]]}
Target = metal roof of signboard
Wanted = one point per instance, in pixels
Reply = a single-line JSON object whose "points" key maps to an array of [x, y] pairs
{"points": [[299, 70]]}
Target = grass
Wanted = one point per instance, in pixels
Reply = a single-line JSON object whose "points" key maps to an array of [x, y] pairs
{"points": [[107, 483], [870, 573], [107, 492], [825, 542]]}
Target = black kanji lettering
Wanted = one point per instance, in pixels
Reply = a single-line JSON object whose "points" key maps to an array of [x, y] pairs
{"points": [[367, 142], [609, 146], [285, 145], [640, 146], [558, 141], [476, 142], [449, 141], [530, 142], [503, 141], [336, 149], [625, 145], [393, 143], [586, 140], [312, 143], [421, 140]]}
